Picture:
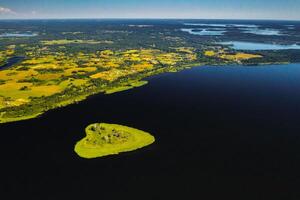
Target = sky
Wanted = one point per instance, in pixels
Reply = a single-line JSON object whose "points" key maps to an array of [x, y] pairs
{"points": [[192, 9]]}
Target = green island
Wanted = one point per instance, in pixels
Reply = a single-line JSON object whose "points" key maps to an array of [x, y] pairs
{"points": [[104, 139]]}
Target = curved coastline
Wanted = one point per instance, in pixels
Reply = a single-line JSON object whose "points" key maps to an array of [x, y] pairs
{"points": [[130, 84]]}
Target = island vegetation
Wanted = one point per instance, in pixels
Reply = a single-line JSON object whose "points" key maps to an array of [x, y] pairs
{"points": [[107, 139]]}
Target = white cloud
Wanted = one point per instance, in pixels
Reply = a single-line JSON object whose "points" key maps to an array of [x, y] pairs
{"points": [[4, 10]]}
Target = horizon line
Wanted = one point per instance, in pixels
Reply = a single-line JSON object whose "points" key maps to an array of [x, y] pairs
{"points": [[148, 18]]}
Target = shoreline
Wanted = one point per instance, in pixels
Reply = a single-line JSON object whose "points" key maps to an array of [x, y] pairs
{"points": [[133, 83], [121, 87]]}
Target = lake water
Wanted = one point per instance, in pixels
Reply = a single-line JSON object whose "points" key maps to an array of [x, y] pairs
{"points": [[257, 31], [18, 34], [11, 62], [203, 32], [223, 25], [258, 46], [291, 27], [220, 29], [220, 131]]}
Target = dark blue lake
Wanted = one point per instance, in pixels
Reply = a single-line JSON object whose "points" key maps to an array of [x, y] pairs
{"points": [[220, 132], [11, 61]]}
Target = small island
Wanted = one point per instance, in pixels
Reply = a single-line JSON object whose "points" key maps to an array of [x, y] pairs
{"points": [[104, 139]]}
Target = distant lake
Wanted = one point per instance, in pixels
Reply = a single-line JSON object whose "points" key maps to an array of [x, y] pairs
{"points": [[245, 28], [266, 31], [18, 34], [211, 31], [258, 46], [220, 131], [290, 26], [223, 25]]}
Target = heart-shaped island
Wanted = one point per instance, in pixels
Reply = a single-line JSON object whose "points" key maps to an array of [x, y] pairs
{"points": [[104, 139]]}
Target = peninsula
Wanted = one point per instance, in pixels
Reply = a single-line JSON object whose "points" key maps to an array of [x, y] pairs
{"points": [[46, 66]]}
